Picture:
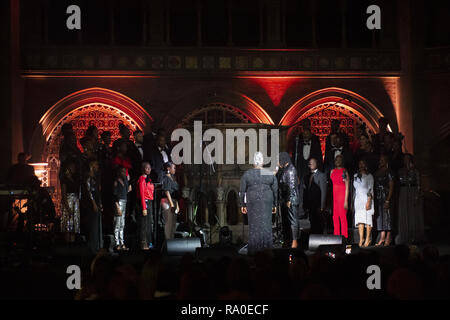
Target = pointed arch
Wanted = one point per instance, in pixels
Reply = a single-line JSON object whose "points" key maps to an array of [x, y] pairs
{"points": [[118, 101], [368, 112]]}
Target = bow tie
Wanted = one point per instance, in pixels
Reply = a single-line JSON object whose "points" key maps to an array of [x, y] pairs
{"points": [[336, 149], [307, 143]]}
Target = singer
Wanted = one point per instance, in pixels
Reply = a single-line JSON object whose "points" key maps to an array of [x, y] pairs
{"points": [[260, 189]]}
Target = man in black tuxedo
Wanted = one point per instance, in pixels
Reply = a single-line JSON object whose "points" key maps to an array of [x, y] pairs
{"points": [[136, 154], [337, 146], [315, 186], [159, 156], [335, 129], [307, 147]]}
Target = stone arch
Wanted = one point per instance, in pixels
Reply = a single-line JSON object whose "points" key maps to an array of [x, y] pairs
{"points": [[336, 103], [102, 107], [216, 96]]}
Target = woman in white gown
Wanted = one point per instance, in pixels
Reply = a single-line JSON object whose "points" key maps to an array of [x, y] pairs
{"points": [[364, 208]]}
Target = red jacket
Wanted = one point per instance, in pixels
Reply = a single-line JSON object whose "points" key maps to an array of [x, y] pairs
{"points": [[145, 190]]}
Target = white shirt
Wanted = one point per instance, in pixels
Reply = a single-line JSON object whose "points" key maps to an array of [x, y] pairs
{"points": [[338, 151], [306, 150], [164, 155], [141, 150]]}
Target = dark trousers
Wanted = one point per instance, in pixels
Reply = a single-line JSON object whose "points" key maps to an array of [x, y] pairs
{"points": [[95, 232], [145, 223], [289, 217], [169, 219], [317, 219]]}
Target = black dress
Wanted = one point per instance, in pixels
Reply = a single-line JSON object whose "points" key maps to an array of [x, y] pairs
{"points": [[384, 216], [410, 207], [93, 220], [259, 193], [169, 217]]}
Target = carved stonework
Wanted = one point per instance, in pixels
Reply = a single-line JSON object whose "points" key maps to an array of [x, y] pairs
{"points": [[186, 193], [220, 194], [321, 117]]}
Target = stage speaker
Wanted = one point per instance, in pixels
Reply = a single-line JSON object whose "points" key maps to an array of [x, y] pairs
{"points": [[316, 240], [178, 247], [215, 253]]}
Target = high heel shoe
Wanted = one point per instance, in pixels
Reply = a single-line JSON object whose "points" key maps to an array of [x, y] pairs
{"points": [[387, 243], [367, 243], [380, 243]]}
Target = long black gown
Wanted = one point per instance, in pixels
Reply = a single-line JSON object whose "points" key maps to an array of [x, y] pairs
{"points": [[93, 220], [384, 216], [259, 187]]}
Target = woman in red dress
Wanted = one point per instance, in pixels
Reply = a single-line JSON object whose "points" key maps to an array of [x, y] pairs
{"points": [[340, 178]]}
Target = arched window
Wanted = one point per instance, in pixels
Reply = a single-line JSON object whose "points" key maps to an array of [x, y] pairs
{"points": [[215, 114]]}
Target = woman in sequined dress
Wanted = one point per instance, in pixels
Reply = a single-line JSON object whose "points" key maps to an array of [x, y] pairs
{"points": [[258, 197]]}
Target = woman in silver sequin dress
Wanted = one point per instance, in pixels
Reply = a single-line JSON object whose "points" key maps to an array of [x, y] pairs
{"points": [[70, 201], [259, 196]]}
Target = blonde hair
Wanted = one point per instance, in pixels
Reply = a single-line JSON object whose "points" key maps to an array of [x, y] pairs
{"points": [[258, 159]]}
